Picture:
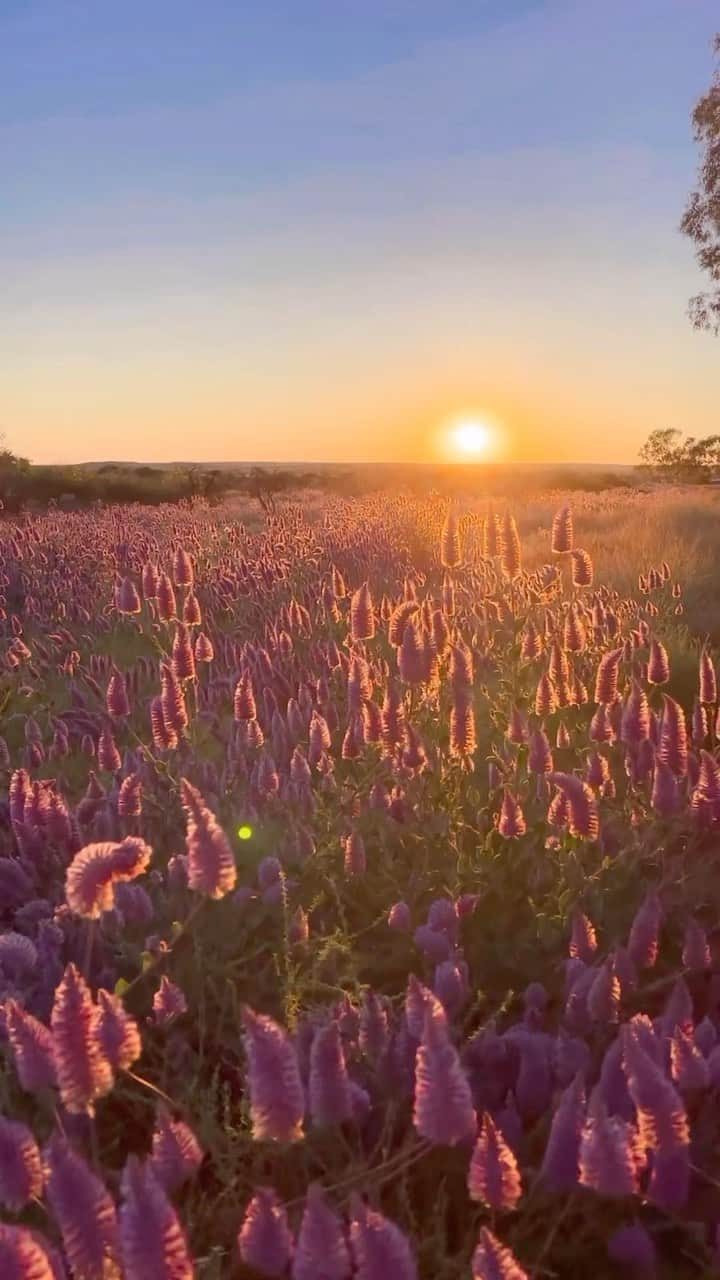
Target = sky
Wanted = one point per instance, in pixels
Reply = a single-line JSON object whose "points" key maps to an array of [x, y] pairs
{"points": [[322, 229]]}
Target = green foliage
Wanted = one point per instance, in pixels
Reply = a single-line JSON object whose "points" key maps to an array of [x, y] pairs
{"points": [[701, 220], [14, 472], [682, 461]]}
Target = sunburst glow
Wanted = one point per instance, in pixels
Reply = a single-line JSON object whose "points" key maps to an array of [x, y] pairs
{"points": [[470, 438]]}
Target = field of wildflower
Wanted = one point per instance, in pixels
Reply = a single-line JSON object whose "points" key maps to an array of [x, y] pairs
{"points": [[360, 890]]}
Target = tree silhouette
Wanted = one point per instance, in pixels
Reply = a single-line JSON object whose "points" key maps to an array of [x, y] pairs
{"points": [[701, 220], [670, 457]]}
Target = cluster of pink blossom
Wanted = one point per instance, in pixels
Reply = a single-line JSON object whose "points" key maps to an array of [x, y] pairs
{"points": [[412, 729]]}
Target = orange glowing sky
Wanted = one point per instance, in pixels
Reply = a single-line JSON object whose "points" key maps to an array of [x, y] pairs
{"points": [[266, 238]]}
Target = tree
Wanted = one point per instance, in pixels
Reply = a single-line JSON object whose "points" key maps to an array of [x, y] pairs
{"points": [[670, 457], [14, 474], [660, 451], [701, 220], [264, 485]]}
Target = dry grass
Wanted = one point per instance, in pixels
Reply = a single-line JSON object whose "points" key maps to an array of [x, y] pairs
{"points": [[625, 529]]}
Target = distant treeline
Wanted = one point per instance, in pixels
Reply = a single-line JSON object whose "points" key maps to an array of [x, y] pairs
{"points": [[23, 485]]}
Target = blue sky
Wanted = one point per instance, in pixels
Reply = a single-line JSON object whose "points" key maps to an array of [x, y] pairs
{"points": [[315, 228]]}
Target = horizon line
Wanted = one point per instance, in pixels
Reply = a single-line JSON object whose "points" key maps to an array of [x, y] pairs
{"points": [[329, 462]]}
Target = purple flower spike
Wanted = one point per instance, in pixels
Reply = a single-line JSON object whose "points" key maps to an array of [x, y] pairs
{"points": [[493, 1176], [118, 1032], [578, 981], [361, 1104], [603, 999], [696, 952], [18, 956], [21, 1175], [583, 817], [625, 970], [97, 868], [168, 1002], [269, 873], [418, 999], [583, 939], [211, 865], [265, 1242], [436, 946], [665, 797], [116, 697], [321, 1252], [644, 934], [610, 1154], [442, 916], [84, 1073], [32, 1045], [374, 1031], [451, 985], [678, 1011], [465, 905], [444, 1112], [152, 1240], [635, 724], [277, 1102], [662, 1124], [612, 1085], [570, 1056], [83, 1210], [176, 1152], [129, 801], [673, 745], [329, 1086], [380, 1249], [127, 599], [688, 1067], [643, 1033], [508, 1122], [632, 1247], [559, 1170], [348, 1019], [533, 1086], [399, 917], [23, 1256], [535, 998], [298, 927], [492, 1260], [706, 1037]]}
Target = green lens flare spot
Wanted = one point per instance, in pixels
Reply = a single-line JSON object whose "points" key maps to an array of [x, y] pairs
{"points": [[245, 832]]}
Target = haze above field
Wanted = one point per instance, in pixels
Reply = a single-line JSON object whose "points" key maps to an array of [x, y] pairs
{"points": [[307, 231]]}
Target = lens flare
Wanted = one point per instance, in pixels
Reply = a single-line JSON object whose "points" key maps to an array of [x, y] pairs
{"points": [[471, 438]]}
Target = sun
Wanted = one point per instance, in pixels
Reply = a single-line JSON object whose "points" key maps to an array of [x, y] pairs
{"points": [[470, 438]]}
